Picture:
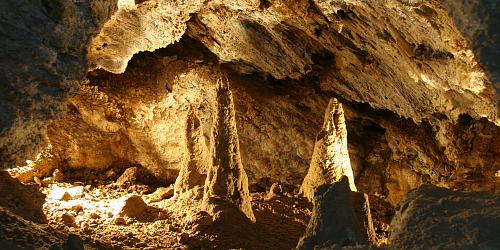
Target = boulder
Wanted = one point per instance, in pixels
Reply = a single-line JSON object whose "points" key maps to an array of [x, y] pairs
{"points": [[227, 181], [161, 193], [129, 176], [330, 159], [432, 217], [333, 220], [130, 206]]}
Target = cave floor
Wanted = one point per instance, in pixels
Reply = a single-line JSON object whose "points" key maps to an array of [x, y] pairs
{"points": [[87, 211]]}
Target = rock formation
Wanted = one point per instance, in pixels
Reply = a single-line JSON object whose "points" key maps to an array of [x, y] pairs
{"points": [[434, 217], [419, 108], [333, 220], [479, 22], [330, 159], [361, 205], [191, 179], [226, 180], [43, 51]]}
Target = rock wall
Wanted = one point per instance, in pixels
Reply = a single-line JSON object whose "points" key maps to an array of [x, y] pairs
{"points": [[42, 50], [463, 219], [479, 23]]}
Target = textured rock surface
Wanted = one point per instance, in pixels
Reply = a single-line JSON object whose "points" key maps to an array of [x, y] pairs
{"points": [[42, 54], [405, 59], [405, 76], [226, 179], [433, 217], [330, 159], [144, 25], [129, 206], [479, 22], [361, 205], [192, 175], [333, 220], [277, 124]]}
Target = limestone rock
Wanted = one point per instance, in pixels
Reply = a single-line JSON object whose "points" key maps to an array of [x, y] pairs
{"points": [[130, 30], [128, 177], [44, 60], [226, 180], [68, 219], [330, 160], [479, 22], [361, 205], [192, 175], [435, 217], [74, 242], [57, 175], [333, 219], [275, 190], [130, 206], [162, 193]]}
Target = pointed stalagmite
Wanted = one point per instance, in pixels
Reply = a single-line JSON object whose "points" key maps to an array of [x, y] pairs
{"points": [[227, 181], [191, 180], [330, 160]]}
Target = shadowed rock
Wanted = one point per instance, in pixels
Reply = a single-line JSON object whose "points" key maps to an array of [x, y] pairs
{"points": [[330, 160], [432, 217], [361, 206], [227, 181], [191, 179], [333, 220]]}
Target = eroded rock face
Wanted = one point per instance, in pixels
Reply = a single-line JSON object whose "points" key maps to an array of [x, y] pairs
{"points": [[330, 160], [226, 180], [139, 26], [463, 219], [479, 22], [43, 49]]}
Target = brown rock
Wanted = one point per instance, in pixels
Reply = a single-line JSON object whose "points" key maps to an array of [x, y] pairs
{"points": [[333, 219], [433, 217], [68, 219], [183, 238], [361, 205], [192, 175], [226, 180], [119, 220], [130, 205], [162, 193], [129, 176], [275, 190], [47, 181], [330, 160], [57, 176]]}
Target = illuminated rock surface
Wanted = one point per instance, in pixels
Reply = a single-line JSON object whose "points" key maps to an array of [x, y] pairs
{"points": [[227, 181], [191, 179], [330, 159]]}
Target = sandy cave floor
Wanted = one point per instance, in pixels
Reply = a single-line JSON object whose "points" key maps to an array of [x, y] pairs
{"points": [[41, 215], [87, 210]]}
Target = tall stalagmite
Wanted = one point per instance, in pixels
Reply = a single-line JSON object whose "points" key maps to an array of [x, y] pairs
{"points": [[227, 181], [192, 175], [330, 160]]}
